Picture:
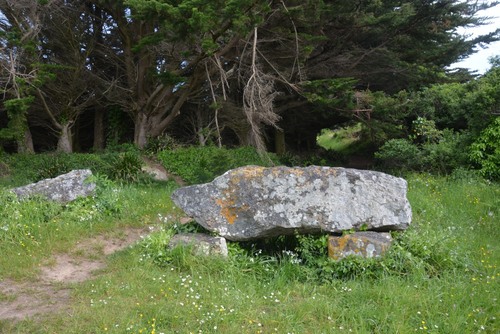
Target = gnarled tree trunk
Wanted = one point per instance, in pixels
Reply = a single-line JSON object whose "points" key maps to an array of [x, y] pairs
{"points": [[25, 145], [65, 140]]}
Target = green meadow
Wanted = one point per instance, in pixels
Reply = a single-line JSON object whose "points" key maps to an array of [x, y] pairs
{"points": [[440, 276]]}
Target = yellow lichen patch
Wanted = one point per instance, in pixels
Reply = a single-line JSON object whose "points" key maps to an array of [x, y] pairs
{"points": [[251, 171], [246, 173], [226, 210], [229, 215], [335, 247]]}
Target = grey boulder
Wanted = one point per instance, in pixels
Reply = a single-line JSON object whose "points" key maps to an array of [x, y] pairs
{"points": [[63, 188], [256, 202]]}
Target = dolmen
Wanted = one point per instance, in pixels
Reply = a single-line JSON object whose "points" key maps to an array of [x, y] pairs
{"points": [[253, 202]]}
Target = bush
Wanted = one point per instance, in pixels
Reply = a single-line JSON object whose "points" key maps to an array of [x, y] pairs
{"points": [[202, 164], [485, 151], [446, 154], [429, 150], [126, 167], [400, 154]]}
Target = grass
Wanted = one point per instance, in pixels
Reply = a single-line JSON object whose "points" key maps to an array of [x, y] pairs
{"points": [[455, 231], [340, 140]]}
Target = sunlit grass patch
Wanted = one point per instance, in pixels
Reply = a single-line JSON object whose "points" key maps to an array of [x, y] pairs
{"points": [[340, 139]]}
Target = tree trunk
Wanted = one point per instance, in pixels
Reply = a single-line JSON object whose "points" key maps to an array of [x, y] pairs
{"points": [[141, 130], [25, 145], [99, 131], [279, 141], [64, 143]]}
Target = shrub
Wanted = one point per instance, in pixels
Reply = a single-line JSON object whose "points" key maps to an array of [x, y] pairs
{"points": [[399, 153], [160, 143], [446, 154], [126, 167], [428, 149], [485, 151], [202, 164]]}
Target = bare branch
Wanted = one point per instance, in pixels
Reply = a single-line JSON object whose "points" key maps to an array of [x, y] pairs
{"points": [[258, 98]]}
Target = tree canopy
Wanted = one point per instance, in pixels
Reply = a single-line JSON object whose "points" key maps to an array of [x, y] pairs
{"points": [[76, 73]]}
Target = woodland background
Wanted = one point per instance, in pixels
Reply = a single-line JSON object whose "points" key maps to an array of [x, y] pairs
{"points": [[84, 76]]}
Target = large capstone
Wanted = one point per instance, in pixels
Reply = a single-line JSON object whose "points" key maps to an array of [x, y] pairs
{"points": [[257, 202], [63, 188]]}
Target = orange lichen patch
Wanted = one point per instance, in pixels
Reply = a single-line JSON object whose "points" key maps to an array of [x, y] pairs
{"points": [[228, 207], [226, 210], [336, 246], [229, 210]]}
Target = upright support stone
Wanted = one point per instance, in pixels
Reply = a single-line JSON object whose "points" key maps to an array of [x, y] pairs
{"points": [[202, 244], [364, 244]]}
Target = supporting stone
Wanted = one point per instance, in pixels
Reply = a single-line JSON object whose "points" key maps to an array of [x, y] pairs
{"points": [[202, 244], [364, 244]]}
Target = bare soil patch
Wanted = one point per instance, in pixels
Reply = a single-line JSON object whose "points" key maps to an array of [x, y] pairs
{"points": [[51, 292]]}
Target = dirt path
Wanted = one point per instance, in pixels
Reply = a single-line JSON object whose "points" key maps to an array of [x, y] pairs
{"points": [[51, 291]]}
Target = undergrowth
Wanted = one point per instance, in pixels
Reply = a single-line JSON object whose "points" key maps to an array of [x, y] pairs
{"points": [[202, 164]]}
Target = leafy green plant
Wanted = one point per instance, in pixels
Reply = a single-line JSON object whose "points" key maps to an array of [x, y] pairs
{"points": [[425, 131], [398, 154], [154, 247], [485, 151], [312, 248], [126, 167]]}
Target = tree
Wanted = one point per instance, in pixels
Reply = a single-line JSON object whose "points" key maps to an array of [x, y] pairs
{"points": [[70, 86], [19, 32], [243, 67], [163, 51], [384, 46]]}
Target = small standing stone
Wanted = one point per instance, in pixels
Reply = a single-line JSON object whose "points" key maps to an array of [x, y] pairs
{"points": [[202, 244], [364, 244], [63, 188]]}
